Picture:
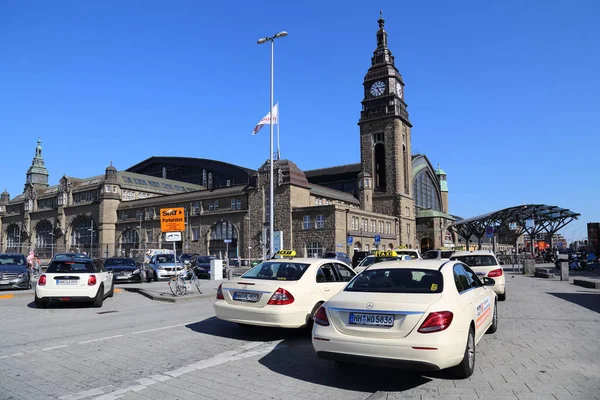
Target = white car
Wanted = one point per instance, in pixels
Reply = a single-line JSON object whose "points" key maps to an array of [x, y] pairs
{"points": [[379, 256], [283, 292], [485, 263], [437, 254], [413, 253], [74, 279], [421, 315]]}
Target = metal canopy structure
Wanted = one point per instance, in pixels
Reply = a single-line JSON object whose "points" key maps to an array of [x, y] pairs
{"points": [[529, 218]]}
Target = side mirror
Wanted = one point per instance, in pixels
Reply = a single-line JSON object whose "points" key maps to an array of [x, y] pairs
{"points": [[488, 281]]}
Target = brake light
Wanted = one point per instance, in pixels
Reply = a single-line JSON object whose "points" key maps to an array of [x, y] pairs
{"points": [[42, 280], [92, 280], [281, 297], [220, 293], [321, 317], [436, 322], [495, 273]]}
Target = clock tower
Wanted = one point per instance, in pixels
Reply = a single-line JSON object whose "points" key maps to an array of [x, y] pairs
{"points": [[385, 141]]}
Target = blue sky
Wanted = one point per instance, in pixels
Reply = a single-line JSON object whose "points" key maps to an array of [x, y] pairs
{"points": [[502, 94]]}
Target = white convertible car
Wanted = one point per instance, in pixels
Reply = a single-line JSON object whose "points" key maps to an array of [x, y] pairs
{"points": [[282, 292], [422, 315]]}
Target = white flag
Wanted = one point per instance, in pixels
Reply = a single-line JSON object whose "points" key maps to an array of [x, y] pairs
{"points": [[267, 119]]}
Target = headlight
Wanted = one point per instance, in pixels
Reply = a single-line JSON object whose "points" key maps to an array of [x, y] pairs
{"points": [[159, 267], [22, 275], [137, 271]]}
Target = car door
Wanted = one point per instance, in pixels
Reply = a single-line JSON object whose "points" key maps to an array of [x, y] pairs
{"points": [[328, 281], [467, 296], [103, 276], [483, 303]]}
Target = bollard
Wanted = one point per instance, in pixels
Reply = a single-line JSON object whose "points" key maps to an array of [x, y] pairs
{"points": [[564, 270], [229, 274]]}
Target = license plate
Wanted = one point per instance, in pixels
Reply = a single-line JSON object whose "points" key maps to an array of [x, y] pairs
{"points": [[371, 319], [66, 282], [121, 277], [244, 296], [5, 282]]}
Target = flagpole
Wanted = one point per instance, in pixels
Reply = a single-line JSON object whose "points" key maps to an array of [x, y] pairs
{"points": [[278, 122]]}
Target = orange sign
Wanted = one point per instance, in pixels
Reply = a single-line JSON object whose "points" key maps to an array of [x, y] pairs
{"points": [[172, 219], [541, 245]]}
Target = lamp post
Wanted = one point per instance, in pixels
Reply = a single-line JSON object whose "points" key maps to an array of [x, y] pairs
{"points": [[271, 191], [247, 218], [92, 238]]}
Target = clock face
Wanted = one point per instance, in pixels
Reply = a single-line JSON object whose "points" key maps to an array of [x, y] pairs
{"points": [[399, 89], [377, 88]]}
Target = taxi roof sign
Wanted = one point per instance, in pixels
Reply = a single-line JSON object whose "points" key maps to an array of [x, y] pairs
{"points": [[172, 219], [286, 253], [390, 253]]}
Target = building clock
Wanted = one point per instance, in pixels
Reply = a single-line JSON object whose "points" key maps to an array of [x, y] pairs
{"points": [[399, 89], [377, 88]]}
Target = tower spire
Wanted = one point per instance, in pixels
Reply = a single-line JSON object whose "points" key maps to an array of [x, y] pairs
{"points": [[37, 174]]}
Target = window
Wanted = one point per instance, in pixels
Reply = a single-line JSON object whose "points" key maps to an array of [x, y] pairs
{"points": [[388, 227], [460, 279], [150, 213], [327, 274], [211, 206], [398, 280], [345, 273], [407, 211], [425, 192], [408, 229], [355, 223], [373, 226], [477, 260], [236, 204], [233, 203], [320, 223], [314, 249], [280, 270], [216, 205], [148, 235], [306, 222], [380, 227], [195, 234], [196, 208], [364, 226]]}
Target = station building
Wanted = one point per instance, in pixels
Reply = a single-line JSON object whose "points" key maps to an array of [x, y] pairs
{"points": [[391, 198]]}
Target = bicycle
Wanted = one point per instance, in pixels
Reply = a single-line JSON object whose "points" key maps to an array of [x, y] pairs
{"points": [[179, 285]]}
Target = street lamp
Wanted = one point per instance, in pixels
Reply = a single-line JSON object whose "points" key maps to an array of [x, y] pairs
{"points": [[271, 191], [247, 218]]}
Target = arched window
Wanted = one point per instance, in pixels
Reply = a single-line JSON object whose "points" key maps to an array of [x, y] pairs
{"points": [[129, 240], [224, 240], [84, 234], [425, 192], [380, 167], [13, 239], [314, 249], [44, 237]]}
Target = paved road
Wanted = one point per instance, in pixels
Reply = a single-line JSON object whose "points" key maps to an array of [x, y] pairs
{"points": [[547, 347]]}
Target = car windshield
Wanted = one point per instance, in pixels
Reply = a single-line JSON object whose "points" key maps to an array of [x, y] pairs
{"points": [[430, 255], [12, 259], [372, 260], [397, 280], [477, 260], [165, 258], [70, 267], [277, 271], [119, 261], [69, 256], [205, 259], [329, 255]]}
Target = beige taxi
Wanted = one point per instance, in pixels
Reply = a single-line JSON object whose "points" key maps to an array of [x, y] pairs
{"points": [[283, 292], [380, 256], [420, 315]]}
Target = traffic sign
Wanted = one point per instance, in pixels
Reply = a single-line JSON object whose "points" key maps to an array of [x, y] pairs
{"points": [[377, 239], [350, 239], [227, 241], [173, 236], [489, 232], [172, 219]]}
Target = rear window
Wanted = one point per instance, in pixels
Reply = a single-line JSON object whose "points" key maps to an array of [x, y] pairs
{"points": [[372, 260], [447, 254], [70, 267], [119, 261], [9, 259], [397, 280], [477, 261], [277, 271], [430, 255], [329, 255]]}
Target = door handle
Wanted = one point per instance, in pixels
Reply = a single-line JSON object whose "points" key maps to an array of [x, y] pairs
{"points": [[326, 289]]}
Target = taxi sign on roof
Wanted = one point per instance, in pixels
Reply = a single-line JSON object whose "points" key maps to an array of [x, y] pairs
{"points": [[286, 253], [390, 253]]}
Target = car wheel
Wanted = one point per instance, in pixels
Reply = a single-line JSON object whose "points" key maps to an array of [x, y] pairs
{"points": [[148, 277], [467, 365], [502, 297], [494, 327], [40, 303], [112, 289], [29, 286], [99, 300], [155, 276], [311, 318]]}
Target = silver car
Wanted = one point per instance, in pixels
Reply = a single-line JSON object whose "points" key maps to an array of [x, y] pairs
{"points": [[162, 266], [13, 272]]}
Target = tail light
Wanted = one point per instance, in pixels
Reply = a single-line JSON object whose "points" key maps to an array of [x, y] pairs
{"points": [[220, 293], [436, 322], [321, 317], [281, 297], [92, 280], [42, 280], [495, 273]]}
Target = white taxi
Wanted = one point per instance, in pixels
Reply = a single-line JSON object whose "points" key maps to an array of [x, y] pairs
{"points": [[74, 279], [282, 292], [485, 263], [380, 256], [421, 315]]}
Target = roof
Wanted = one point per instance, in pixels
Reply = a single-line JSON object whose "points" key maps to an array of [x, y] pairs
{"points": [[413, 264], [473, 253], [429, 213], [339, 169], [318, 190]]}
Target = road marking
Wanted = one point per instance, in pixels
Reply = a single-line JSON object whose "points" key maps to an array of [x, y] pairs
{"points": [[163, 327], [97, 340], [55, 347], [118, 290], [7, 296], [16, 354]]}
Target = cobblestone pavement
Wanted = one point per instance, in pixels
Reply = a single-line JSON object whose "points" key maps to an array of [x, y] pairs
{"points": [[547, 347]]}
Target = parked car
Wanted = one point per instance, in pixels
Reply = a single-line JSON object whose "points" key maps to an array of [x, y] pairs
{"points": [[68, 256], [438, 254], [123, 269], [202, 267], [358, 256], [484, 263], [338, 255], [162, 266], [13, 272], [413, 253]]}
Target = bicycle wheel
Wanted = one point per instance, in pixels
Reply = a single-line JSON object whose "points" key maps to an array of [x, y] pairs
{"points": [[177, 286], [198, 285]]}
